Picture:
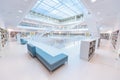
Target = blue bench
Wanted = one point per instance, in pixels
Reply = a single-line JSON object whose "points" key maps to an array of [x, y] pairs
{"points": [[23, 41], [50, 62], [31, 50]]}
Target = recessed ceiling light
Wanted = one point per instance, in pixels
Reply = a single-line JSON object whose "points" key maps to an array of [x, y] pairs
{"points": [[20, 11], [98, 13], [101, 18], [17, 16], [25, 0], [93, 1]]}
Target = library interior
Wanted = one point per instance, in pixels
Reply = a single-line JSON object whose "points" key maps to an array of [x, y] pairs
{"points": [[59, 40]]}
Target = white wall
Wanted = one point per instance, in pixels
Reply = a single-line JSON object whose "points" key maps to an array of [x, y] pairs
{"points": [[2, 24]]}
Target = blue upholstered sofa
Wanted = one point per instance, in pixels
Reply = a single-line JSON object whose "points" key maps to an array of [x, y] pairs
{"points": [[50, 62], [31, 50], [23, 41]]}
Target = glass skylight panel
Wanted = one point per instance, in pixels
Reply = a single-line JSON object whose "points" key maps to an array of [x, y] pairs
{"points": [[69, 4], [55, 16], [37, 4], [44, 6], [42, 11], [56, 1], [63, 15], [79, 6], [54, 12], [59, 9], [77, 11], [57, 6], [73, 7], [50, 3], [70, 13], [65, 10]]}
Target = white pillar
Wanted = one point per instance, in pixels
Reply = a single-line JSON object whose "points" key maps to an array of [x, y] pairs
{"points": [[93, 26]]}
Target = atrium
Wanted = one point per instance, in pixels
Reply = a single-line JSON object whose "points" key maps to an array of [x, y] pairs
{"points": [[59, 40]]}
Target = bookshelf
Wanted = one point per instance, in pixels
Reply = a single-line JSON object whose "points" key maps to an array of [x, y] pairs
{"points": [[105, 36], [87, 49], [99, 42], [0, 41], [114, 38], [3, 37]]}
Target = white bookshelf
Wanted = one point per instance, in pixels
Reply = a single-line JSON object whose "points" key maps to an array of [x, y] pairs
{"points": [[3, 37], [114, 38], [87, 49], [105, 36], [0, 41], [98, 42]]}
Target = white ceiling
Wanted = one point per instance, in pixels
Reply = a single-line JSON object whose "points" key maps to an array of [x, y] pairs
{"points": [[12, 11], [107, 12]]}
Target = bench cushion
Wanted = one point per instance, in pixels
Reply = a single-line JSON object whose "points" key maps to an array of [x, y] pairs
{"points": [[31, 50], [22, 41], [49, 61]]}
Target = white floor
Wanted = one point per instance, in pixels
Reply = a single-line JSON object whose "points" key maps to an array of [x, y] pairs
{"points": [[17, 64]]}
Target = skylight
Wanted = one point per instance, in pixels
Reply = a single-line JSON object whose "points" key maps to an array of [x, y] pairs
{"points": [[59, 9]]}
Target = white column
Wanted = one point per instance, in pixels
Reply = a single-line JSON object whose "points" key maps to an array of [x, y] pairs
{"points": [[93, 26]]}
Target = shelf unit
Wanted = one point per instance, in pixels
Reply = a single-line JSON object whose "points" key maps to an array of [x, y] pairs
{"points": [[99, 42], [87, 49], [114, 37], [3, 37], [105, 36], [0, 41]]}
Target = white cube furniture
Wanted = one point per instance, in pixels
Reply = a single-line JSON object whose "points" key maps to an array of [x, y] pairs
{"points": [[87, 49]]}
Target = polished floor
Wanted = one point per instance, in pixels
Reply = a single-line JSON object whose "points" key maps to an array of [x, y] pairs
{"points": [[17, 64]]}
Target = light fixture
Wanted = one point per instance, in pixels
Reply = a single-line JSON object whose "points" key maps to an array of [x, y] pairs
{"points": [[25, 0], [101, 28], [101, 19], [93, 1], [17, 16], [109, 31], [20, 11], [10, 29], [98, 13]]}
